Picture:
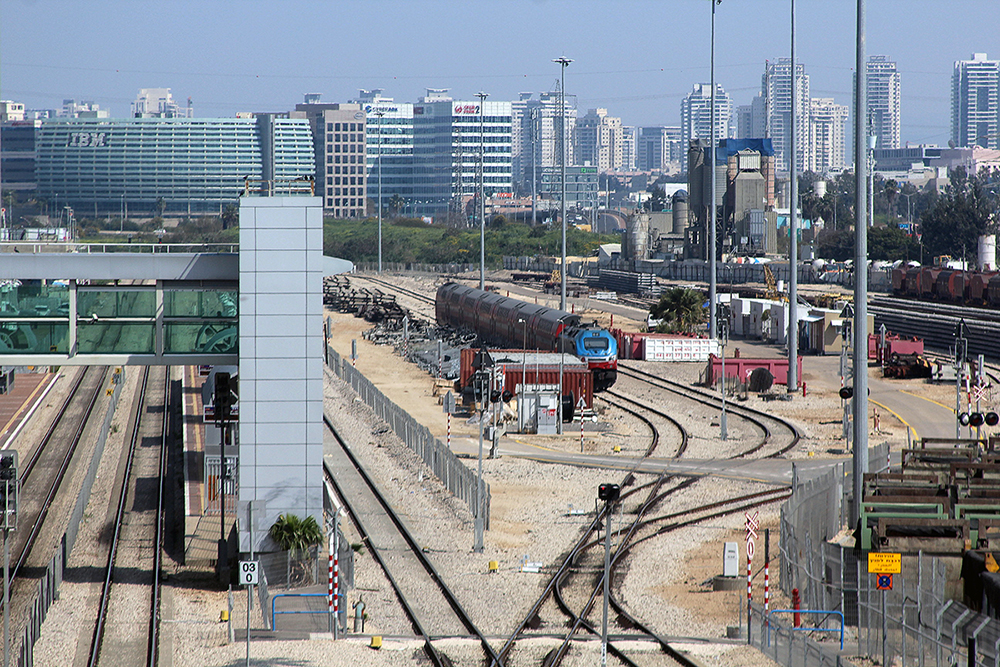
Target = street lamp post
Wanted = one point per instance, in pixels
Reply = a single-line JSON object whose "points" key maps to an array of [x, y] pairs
{"points": [[559, 346], [859, 463], [563, 63], [793, 230], [712, 241], [378, 203], [482, 196]]}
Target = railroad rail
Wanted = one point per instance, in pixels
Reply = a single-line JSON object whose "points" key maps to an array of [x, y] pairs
{"points": [[46, 468], [136, 541], [583, 556], [382, 530], [937, 323], [758, 418]]}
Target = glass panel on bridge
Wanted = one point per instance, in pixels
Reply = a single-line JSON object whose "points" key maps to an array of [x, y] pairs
{"points": [[210, 338], [115, 338], [200, 303], [110, 302], [34, 338], [34, 298]]}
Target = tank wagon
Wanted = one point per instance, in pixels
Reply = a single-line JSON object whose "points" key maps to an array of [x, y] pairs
{"points": [[977, 288], [508, 322]]}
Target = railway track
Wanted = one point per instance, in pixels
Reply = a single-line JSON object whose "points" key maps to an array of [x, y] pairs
{"points": [[937, 323], [132, 573], [43, 473], [758, 418], [417, 296], [585, 559], [431, 607]]}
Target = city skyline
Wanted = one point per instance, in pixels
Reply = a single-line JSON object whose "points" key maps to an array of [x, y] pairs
{"points": [[202, 51]]}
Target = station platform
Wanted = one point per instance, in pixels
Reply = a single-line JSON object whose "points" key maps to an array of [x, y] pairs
{"points": [[201, 504], [17, 405]]}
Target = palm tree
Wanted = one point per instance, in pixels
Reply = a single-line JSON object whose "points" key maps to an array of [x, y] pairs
{"points": [[396, 204], [682, 309], [293, 533]]}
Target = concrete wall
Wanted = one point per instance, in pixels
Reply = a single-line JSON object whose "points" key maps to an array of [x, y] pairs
{"points": [[281, 358]]}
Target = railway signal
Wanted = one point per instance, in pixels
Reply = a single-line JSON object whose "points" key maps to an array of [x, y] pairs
{"points": [[8, 489], [8, 504]]}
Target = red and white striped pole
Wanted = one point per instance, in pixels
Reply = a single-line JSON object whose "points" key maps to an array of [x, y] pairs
{"points": [[329, 593], [749, 596], [449, 431], [581, 430]]}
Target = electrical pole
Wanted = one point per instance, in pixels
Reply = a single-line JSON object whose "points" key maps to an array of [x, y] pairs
{"points": [[378, 204], [793, 231], [860, 405], [563, 62], [482, 196], [713, 324]]}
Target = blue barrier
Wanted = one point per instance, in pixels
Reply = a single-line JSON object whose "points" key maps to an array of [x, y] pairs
{"points": [[295, 595], [808, 611]]}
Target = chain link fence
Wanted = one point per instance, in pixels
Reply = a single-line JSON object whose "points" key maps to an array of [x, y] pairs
{"points": [[455, 475]]}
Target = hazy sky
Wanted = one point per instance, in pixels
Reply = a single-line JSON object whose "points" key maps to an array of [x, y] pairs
{"points": [[636, 58]]}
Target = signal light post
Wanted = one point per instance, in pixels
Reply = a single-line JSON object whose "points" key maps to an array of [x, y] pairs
{"points": [[609, 493], [8, 505], [223, 416]]}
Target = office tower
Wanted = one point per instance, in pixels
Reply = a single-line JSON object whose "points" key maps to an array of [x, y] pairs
{"points": [[696, 115], [389, 139], [975, 111], [825, 138], [883, 100], [658, 148], [776, 89], [599, 140], [339, 139]]}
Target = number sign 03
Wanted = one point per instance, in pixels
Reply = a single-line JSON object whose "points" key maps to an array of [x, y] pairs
{"points": [[249, 572]]}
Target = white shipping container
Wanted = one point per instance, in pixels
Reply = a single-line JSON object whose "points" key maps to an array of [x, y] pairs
{"points": [[679, 349]]}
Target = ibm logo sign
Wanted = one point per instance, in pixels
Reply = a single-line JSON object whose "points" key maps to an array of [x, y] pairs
{"points": [[87, 139]]}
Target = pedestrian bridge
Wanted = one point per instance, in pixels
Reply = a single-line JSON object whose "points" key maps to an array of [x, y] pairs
{"points": [[138, 304]]}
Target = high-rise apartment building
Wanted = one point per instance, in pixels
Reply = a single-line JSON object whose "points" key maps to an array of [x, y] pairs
{"points": [[535, 126], [696, 116], [599, 140], [975, 109], [158, 103], [630, 141], [338, 132], [659, 148], [825, 139], [776, 90], [751, 119], [883, 100]]}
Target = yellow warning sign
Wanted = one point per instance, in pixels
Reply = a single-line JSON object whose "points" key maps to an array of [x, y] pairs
{"points": [[884, 563]]}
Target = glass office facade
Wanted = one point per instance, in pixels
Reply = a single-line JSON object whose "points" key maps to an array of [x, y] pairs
{"points": [[182, 164]]}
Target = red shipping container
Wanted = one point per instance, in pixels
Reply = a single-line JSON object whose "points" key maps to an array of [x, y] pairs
{"points": [[577, 376], [741, 367]]}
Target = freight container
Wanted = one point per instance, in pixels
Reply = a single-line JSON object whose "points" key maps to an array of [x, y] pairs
{"points": [[678, 348], [516, 366], [741, 367]]}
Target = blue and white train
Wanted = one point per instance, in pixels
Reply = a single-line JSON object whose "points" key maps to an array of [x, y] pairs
{"points": [[513, 323]]}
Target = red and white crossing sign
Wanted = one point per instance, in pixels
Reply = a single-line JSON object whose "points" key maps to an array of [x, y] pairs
{"points": [[752, 523]]}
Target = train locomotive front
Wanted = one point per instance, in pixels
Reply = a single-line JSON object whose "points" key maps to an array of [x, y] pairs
{"points": [[514, 323]]}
